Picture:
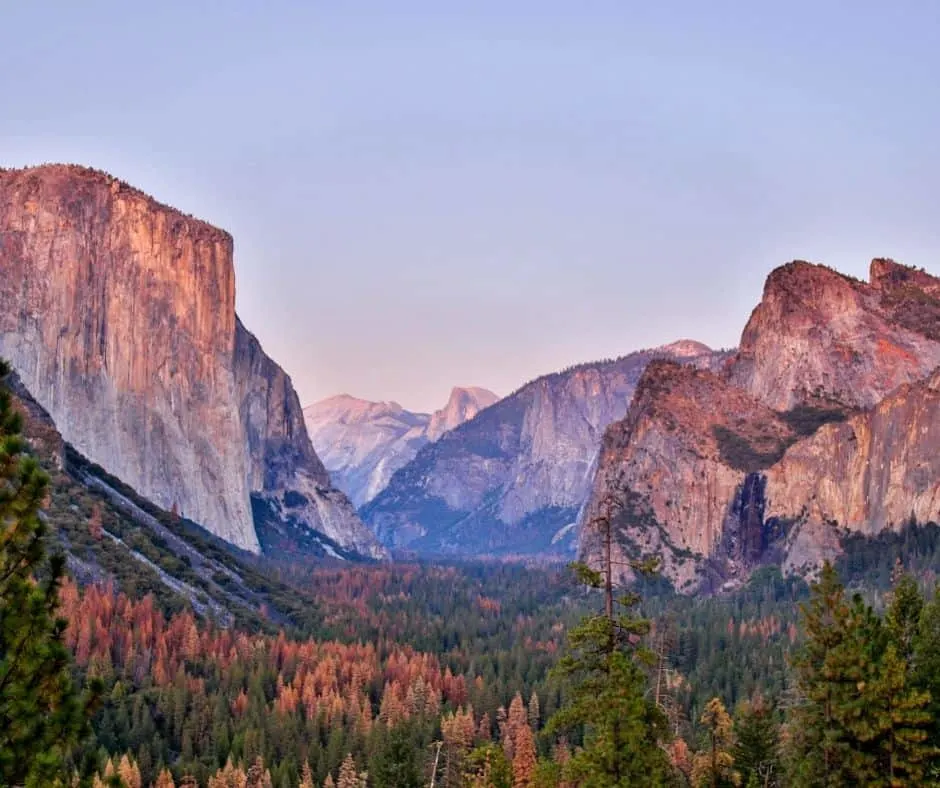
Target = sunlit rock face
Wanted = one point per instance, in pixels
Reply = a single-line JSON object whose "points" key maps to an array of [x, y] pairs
{"points": [[818, 336], [118, 313], [823, 423]]}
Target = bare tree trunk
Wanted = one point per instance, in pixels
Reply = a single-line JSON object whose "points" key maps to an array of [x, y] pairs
{"points": [[437, 756], [608, 565]]}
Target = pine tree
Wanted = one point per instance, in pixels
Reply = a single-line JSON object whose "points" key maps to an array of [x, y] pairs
{"points": [[229, 776], [896, 725], [535, 716], [394, 762], [862, 722], [41, 714], [129, 772], [622, 727], [306, 776], [713, 766], [926, 671], [827, 678], [348, 775], [757, 738], [257, 776], [487, 767], [902, 617], [165, 780]]}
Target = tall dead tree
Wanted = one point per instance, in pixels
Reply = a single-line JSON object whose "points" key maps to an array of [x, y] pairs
{"points": [[603, 525]]}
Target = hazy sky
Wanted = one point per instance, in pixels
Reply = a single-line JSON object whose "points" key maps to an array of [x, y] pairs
{"points": [[425, 194]]}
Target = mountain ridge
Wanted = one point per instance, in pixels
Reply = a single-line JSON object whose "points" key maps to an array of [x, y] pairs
{"points": [[783, 451], [514, 477], [364, 442]]}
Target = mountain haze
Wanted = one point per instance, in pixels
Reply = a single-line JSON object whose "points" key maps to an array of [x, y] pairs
{"points": [[512, 479], [363, 443]]}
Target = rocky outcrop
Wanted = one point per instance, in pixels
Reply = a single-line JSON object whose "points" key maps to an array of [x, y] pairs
{"points": [[818, 336], [821, 423], [875, 471], [363, 443], [671, 469], [512, 479], [118, 313]]}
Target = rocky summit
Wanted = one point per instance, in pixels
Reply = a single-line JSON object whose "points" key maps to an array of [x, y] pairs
{"points": [[820, 425], [118, 313], [512, 479], [363, 443]]}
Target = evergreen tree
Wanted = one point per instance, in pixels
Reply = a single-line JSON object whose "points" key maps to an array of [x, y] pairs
{"points": [[165, 780], [349, 777], [306, 777], [895, 724], [863, 721], [41, 714], [827, 677], [487, 767], [757, 738], [524, 758], [903, 616], [926, 672], [535, 716], [394, 762], [608, 702]]}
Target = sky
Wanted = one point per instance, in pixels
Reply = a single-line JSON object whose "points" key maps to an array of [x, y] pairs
{"points": [[427, 194]]}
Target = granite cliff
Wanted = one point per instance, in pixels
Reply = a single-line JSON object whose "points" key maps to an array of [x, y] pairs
{"points": [[118, 313], [363, 443], [820, 424], [512, 479], [819, 336]]}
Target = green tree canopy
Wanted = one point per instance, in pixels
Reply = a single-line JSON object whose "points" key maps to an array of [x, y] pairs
{"points": [[608, 704], [41, 714]]}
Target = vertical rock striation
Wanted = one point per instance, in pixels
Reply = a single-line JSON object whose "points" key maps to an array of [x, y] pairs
{"points": [[284, 470], [118, 313]]}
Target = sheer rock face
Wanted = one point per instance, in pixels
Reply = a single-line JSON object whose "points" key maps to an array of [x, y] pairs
{"points": [[875, 471], [819, 336], [283, 466], [718, 473], [118, 313], [512, 479], [363, 443], [668, 475]]}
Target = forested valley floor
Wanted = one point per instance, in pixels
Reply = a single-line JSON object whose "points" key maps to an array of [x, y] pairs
{"points": [[201, 668]]}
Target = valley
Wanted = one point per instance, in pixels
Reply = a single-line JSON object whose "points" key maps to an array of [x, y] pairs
{"points": [[231, 618]]}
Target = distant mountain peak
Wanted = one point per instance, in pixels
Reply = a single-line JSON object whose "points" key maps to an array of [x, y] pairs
{"points": [[512, 479], [478, 393], [364, 442], [463, 404]]}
